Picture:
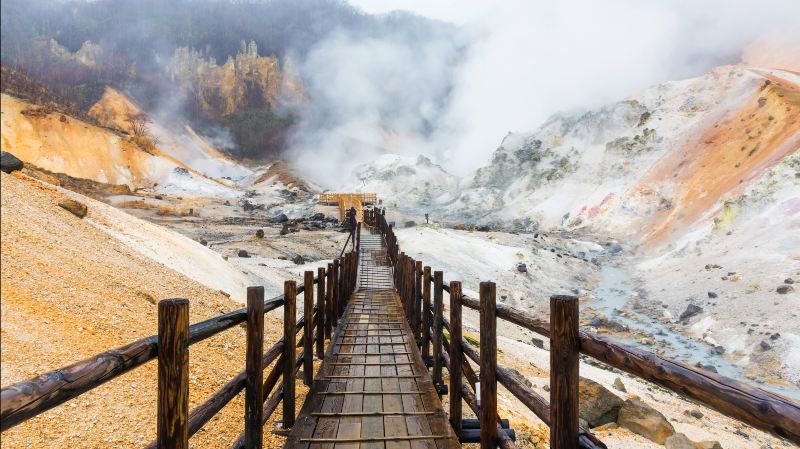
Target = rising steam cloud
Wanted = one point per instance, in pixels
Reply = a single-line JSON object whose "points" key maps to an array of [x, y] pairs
{"points": [[507, 67]]}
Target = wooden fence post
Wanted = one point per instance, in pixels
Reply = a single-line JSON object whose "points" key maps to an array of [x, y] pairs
{"points": [[335, 294], [329, 302], [254, 388], [289, 318], [173, 374], [438, 308], [456, 356], [488, 390], [564, 346], [417, 301], [358, 236], [320, 313], [308, 313], [426, 313]]}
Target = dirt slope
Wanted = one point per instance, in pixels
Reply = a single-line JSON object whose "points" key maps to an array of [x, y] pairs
{"points": [[71, 290]]}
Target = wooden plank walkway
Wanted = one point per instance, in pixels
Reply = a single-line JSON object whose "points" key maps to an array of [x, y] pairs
{"points": [[373, 390]]}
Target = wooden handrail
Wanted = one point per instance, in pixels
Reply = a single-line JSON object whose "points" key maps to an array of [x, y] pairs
{"points": [[759, 408]]}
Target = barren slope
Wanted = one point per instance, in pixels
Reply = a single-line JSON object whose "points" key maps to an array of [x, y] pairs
{"points": [[71, 290]]}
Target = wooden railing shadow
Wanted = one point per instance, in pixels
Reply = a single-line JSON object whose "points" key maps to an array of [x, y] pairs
{"points": [[422, 295]]}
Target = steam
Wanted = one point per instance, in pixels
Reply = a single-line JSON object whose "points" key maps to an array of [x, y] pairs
{"points": [[523, 61]]}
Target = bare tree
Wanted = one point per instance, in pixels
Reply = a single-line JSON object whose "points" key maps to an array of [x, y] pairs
{"points": [[138, 124]]}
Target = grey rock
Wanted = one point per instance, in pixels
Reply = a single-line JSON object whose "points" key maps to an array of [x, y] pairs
{"points": [[538, 342], [10, 163], [784, 289], [691, 310], [260, 233], [298, 260], [788, 281], [775, 336], [319, 216], [694, 413], [280, 218], [243, 253], [597, 404], [765, 346], [522, 268], [619, 385], [712, 295]]}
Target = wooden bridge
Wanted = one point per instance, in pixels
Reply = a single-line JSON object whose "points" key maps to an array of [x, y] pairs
{"points": [[382, 379]]}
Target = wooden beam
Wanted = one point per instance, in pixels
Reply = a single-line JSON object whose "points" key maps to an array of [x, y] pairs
{"points": [[173, 374]]}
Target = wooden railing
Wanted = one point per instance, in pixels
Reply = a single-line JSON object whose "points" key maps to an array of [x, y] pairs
{"points": [[24, 400], [761, 409]]}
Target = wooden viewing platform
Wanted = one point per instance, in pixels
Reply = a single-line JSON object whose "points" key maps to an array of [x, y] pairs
{"points": [[373, 389]]}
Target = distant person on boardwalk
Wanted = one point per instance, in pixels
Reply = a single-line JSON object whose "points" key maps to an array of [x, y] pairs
{"points": [[426, 218]]}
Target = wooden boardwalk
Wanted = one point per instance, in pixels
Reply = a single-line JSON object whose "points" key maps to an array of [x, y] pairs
{"points": [[373, 390]]}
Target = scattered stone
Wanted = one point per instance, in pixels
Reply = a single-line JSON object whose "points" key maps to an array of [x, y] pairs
{"points": [[597, 404], [522, 268], [694, 413], [691, 310], [77, 209], [718, 350], [707, 445], [679, 441], [483, 228], [788, 281], [775, 336], [204, 242], [742, 434], [260, 233], [712, 266], [181, 171], [10, 163], [712, 295], [538, 342], [706, 367], [644, 420], [619, 385], [298, 260], [784, 289], [546, 387], [765, 346], [243, 253], [282, 258], [319, 216], [280, 218]]}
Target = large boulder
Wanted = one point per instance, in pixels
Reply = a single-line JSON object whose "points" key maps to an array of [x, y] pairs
{"points": [[640, 418], [679, 441], [77, 208], [9, 162], [707, 445], [598, 405]]}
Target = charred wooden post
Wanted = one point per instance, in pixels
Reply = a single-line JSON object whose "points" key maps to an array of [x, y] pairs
{"points": [[329, 302], [308, 313], [426, 313], [173, 374], [254, 394], [335, 294], [417, 302], [456, 355], [488, 390], [564, 347], [289, 317], [320, 313], [438, 310]]}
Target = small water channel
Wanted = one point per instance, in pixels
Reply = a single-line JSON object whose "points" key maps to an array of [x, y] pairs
{"points": [[613, 295]]}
